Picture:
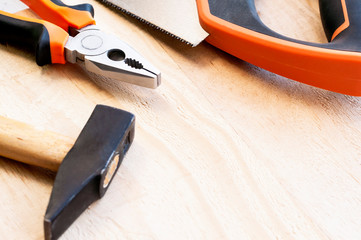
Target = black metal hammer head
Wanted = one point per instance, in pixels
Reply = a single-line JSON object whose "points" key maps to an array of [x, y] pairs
{"points": [[88, 168]]}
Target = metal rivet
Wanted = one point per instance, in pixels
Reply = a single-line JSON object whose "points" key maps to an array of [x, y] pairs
{"points": [[92, 42]]}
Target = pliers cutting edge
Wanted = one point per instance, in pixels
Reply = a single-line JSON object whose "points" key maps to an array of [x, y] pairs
{"points": [[69, 34]]}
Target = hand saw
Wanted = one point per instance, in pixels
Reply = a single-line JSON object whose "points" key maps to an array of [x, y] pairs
{"points": [[235, 27]]}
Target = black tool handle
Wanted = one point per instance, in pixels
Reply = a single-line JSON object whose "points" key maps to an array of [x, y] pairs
{"points": [[342, 21], [332, 15], [335, 15], [43, 39]]}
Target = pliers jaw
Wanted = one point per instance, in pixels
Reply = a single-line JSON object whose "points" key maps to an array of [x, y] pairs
{"points": [[108, 56]]}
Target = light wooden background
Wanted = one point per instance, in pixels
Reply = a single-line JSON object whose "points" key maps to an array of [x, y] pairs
{"points": [[223, 149]]}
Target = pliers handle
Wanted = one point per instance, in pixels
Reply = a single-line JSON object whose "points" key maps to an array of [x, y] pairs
{"points": [[69, 34], [46, 38], [62, 15]]}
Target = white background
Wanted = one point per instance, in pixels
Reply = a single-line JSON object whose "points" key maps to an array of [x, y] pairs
{"points": [[12, 6]]}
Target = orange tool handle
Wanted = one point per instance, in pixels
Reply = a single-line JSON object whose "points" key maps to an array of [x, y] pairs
{"points": [[64, 16], [43, 38], [235, 27]]}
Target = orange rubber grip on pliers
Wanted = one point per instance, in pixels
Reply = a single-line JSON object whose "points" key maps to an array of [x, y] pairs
{"points": [[43, 38], [64, 16], [46, 39], [235, 27]]}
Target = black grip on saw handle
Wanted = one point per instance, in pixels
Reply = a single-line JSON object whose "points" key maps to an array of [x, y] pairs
{"points": [[235, 27], [341, 21], [42, 38], [333, 16]]}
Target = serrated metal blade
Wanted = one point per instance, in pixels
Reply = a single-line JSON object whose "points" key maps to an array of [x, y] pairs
{"points": [[178, 19]]}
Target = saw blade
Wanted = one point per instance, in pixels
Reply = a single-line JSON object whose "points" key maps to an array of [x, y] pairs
{"points": [[177, 18]]}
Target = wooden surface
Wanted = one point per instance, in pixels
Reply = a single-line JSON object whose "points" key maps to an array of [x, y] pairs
{"points": [[223, 149]]}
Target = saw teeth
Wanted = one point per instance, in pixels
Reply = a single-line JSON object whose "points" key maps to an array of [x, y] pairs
{"points": [[133, 63], [145, 21]]}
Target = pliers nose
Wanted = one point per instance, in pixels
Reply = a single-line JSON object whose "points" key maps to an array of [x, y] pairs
{"points": [[108, 56]]}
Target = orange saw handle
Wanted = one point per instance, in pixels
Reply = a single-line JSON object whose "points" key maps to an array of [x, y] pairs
{"points": [[62, 15], [235, 27]]}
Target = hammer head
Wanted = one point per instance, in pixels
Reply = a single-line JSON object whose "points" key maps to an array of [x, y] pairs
{"points": [[87, 170]]}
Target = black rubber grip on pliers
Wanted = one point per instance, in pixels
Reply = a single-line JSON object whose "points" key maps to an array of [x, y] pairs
{"points": [[31, 36], [81, 7]]}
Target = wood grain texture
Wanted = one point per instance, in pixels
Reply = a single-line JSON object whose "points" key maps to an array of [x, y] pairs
{"points": [[223, 149], [24, 143]]}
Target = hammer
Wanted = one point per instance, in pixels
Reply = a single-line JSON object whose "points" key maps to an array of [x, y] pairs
{"points": [[84, 172]]}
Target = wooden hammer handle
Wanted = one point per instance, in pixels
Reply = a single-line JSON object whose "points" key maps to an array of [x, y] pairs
{"points": [[26, 144]]}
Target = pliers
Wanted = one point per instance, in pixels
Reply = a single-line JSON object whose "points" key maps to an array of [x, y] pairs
{"points": [[69, 34]]}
